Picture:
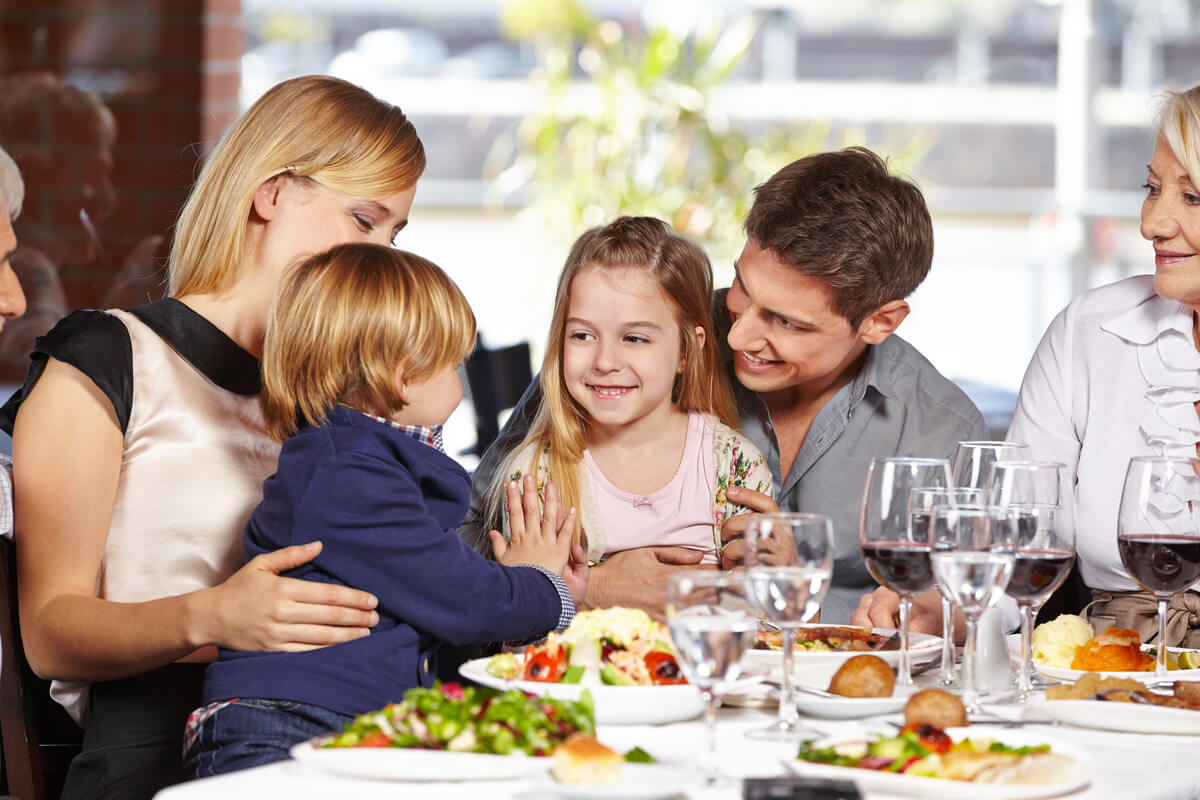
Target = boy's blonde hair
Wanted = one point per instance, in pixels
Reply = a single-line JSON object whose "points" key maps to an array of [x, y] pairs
{"points": [[314, 128], [681, 270], [1179, 123], [342, 322]]}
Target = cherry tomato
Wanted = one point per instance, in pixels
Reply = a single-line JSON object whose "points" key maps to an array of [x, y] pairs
{"points": [[544, 664], [934, 739], [376, 739], [663, 669]]}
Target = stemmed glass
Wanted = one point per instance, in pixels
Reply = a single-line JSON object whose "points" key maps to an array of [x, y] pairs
{"points": [[712, 623], [789, 561], [1044, 554], [924, 499], [973, 459], [896, 555], [975, 573], [1157, 531]]}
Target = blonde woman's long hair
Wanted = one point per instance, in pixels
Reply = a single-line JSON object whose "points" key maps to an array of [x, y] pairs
{"points": [[341, 323], [313, 128], [1179, 123], [682, 272]]}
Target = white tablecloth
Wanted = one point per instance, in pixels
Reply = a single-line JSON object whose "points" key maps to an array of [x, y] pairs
{"points": [[1128, 766]]}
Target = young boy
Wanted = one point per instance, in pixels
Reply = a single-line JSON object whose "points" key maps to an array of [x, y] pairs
{"points": [[358, 376]]}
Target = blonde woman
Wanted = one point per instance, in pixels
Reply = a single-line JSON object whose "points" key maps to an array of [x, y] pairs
{"points": [[140, 450]]}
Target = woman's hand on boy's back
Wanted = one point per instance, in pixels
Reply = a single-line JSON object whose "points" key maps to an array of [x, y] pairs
{"points": [[536, 535]]}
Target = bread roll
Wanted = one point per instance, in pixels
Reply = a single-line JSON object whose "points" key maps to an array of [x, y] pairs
{"points": [[583, 761], [863, 676], [935, 707]]}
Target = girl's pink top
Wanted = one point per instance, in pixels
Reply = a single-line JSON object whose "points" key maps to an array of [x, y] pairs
{"points": [[680, 514]]}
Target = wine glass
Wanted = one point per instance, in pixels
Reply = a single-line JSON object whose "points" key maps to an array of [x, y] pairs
{"points": [[924, 499], [975, 573], [1044, 555], [896, 555], [1157, 532], [712, 623], [972, 460], [789, 561]]}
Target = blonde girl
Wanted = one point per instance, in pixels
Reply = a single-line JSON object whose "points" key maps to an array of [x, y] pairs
{"points": [[636, 424]]}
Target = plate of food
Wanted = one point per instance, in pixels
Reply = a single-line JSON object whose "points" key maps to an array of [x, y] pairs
{"points": [[926, 761], [1123, 704], [821, 649], [450, 733], [1066, 649], [588, 770], [620, 655]]}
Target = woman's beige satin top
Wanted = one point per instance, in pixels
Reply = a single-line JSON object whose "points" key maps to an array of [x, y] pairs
{"points": [[194, 462]]}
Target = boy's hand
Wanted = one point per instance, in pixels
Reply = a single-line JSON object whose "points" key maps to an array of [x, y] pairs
{"points": [[537, 536]]}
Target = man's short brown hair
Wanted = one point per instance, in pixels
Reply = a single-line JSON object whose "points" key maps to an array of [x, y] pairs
{"points": [[843, 218]]}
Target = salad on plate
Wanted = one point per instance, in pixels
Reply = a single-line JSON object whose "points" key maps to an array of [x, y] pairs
{"points": [[610, 646]]}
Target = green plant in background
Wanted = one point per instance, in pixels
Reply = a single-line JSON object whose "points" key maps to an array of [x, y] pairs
{"points": [[638, 129]]}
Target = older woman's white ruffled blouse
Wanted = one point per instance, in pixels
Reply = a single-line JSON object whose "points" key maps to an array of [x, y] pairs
{"points": [[1116, 375]]}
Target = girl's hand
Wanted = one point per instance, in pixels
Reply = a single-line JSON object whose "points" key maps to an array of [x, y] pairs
{"points": [[734, 529], [256, 610], [537, 536]]}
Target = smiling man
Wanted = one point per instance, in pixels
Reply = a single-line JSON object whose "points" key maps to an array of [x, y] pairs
{"points": [[835, 245]]}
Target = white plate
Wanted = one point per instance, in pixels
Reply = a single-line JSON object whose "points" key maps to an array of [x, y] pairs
{"points": [[399, 764], [909, 785], [853, 707], [1127, 717], [615, 705], [816, 667], [638, 782], [1072, 675]]}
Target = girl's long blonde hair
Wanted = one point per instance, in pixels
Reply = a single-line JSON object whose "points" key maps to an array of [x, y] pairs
{"points": [[682, 272], [316, 128], [341, 323]]}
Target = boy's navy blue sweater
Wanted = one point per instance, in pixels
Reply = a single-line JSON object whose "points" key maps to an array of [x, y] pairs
{"points": [[386, 508]]}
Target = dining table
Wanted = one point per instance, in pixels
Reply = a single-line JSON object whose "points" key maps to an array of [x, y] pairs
{"points": [[1120, 765]]}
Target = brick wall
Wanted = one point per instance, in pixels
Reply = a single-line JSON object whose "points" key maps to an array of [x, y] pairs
{"points": [[168, 71]]}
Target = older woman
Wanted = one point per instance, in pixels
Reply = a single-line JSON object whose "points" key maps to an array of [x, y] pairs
{"points": [[1117, 375], [140, 449], [12, 195]]}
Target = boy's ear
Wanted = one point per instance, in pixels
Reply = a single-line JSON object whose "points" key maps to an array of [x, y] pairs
{"points": [[883, 321], [400, 383], [266, 197]]}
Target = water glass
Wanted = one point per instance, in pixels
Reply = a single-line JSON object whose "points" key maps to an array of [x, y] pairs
{"points": [[1157, 531], [896, 555], [712, 624], [789, 561], [924, 499], [975, 573]]}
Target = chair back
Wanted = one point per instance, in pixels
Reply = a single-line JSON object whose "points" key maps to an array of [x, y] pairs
{"points": [[39, 738], [496, 379]]}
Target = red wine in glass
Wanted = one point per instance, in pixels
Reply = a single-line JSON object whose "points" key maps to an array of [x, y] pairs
{"points": [[1037, 573], [903, 567], [1160, 564]]}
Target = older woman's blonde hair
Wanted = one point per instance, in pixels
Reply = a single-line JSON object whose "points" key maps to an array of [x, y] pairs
{"points": [[1179, 123], [344, 320], [314, 128]]}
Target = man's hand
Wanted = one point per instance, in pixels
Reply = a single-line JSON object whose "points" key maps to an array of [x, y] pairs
{"points": [[734, 529], [881, 609], [638, 578]]}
